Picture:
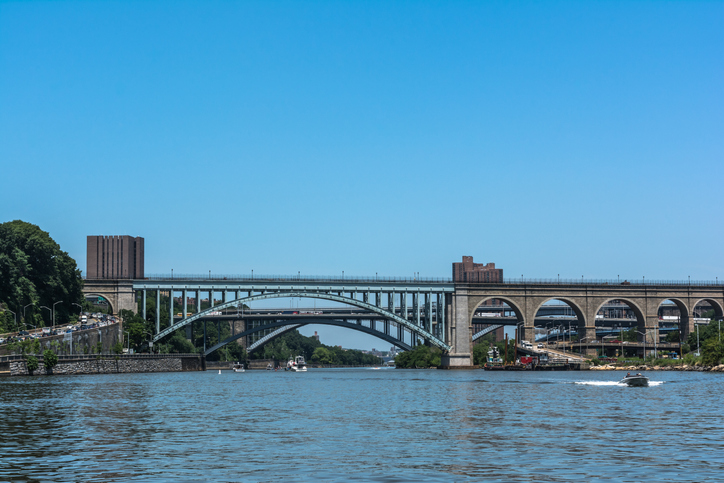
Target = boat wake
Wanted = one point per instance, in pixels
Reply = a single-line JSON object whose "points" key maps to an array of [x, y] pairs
{"points": [[612, 383]]}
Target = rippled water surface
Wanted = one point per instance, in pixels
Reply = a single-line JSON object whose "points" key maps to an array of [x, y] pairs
{"points": [[364, 425]]}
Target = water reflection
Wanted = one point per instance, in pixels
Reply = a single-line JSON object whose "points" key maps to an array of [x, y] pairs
{"points": [[393, 425]]}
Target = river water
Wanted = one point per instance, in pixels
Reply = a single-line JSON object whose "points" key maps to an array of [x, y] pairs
{"points": [[362, 425]]}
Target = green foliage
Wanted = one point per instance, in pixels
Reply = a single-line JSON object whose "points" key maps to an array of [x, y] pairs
{"points": [[672, 337], [117, 348], [294, 344], [712, 352], [630, 335], [177, 343], [32, 363], [322, 356], [34, 270], [421, 357], [50, 359], [139, 330]]}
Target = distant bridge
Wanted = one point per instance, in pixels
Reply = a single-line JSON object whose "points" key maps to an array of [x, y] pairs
{"points": [[406, 311]]}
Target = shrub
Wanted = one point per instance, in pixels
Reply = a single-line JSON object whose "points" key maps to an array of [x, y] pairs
{"points": [[32, 363], [50, 359]]}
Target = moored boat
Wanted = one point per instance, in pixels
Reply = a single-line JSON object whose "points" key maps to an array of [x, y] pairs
{"points": [[297, 365], [238, 367]]}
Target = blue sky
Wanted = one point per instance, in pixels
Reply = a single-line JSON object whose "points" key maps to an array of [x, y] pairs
{"points": [[571, 138]]}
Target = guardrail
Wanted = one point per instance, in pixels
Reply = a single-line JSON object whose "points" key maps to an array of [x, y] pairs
{"points": [[387, 279]]}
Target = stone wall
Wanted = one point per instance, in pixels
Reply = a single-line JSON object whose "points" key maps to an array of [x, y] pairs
{"points": [[111, 365]]}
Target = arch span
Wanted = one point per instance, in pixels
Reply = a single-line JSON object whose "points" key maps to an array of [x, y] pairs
{"points": [[104, 297], [569, 302], [513, 306], [338, 323], [718, 310], [640, 316], [419, 331]]}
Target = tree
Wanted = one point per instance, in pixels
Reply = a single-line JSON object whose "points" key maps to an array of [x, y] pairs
{"points": [[32, 364], [50, 359], [117, 348], [34, 270], [421, 357]]}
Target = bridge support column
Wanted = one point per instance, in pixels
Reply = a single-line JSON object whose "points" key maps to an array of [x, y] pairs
{"points": [[588, 339], [461, 331], [527, 333], [158, 311], [170, 306], [143, 304], [198, 301], [185, 312]]}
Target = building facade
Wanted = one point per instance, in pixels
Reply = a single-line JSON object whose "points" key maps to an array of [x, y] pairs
{"points": [[469, 272], [115, 257]]}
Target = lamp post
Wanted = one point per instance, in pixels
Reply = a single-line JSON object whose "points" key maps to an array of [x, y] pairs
{"points": [[639, 332], [24, 322], [698, 350], [56, 303], [48, 309]]}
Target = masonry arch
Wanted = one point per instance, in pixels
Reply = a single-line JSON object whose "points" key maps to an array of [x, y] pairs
{"points": [[511, 306], [718, 312], [570, 319], [634, 307], [672, 316], [101, 296], [415, 330]]}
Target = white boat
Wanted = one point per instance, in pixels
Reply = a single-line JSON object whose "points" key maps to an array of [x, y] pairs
{"points": [[635, 380], [297, 365], [238, 367]]}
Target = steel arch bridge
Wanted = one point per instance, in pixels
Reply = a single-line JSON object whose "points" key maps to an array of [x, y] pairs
{"points": [[416, 331], [284, 326]]}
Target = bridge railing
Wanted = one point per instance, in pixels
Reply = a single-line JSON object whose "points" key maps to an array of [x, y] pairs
{"points": [[357, 279], [296, 278]]}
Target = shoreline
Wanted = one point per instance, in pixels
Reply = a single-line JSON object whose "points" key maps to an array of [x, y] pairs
{"points": [[644, 367]]}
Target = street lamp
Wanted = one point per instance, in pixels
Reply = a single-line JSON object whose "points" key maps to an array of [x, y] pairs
{"points": [[24, 322], [48, 309], [56, 303], [639, 332]]}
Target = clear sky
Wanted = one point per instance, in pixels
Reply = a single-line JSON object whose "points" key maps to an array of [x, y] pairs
{"points": [[572, 138]]}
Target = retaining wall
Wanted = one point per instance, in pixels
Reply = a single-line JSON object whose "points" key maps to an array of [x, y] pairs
{"points": [[111, 365]]}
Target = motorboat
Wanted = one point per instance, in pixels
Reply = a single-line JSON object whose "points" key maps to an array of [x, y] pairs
{"points": [[238, 367], [635, 380], [297, 365]]}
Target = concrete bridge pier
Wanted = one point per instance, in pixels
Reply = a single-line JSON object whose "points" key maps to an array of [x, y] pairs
{"points": [[588, 336], [460, 355]]}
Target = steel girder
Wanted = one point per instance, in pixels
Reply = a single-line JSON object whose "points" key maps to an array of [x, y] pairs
{"points": [[286, 323], [415, 330]]}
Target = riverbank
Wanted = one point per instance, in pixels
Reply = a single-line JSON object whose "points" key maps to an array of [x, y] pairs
{"points": [[644, 367]]}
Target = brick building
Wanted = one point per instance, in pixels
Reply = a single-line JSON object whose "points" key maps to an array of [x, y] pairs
{"points": [[114, 257], [467, 271]]}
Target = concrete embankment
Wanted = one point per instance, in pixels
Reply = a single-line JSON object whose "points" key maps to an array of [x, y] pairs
{"points": [[68, 365], [685, 367]]}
